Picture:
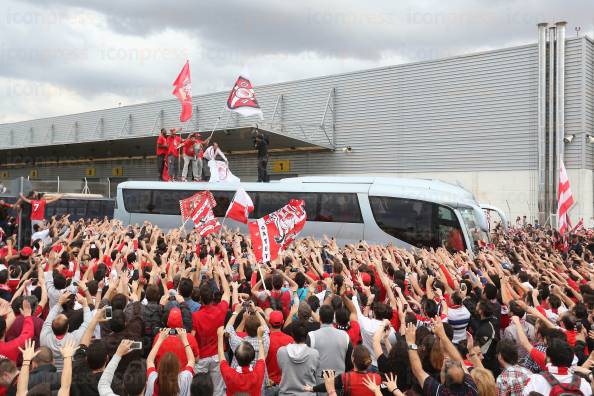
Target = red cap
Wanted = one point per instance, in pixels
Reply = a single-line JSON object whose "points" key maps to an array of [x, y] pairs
{"points": [[26, 251], [276, 318], [174, 320], [366, 278], [325, 275]]}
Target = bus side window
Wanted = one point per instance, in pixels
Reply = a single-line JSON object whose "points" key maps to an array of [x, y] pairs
{"points": [[409, 220], [339, 208]]}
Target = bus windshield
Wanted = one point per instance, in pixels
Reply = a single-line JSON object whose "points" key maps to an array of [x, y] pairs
{"points": [[419, 223], [475, 233]]}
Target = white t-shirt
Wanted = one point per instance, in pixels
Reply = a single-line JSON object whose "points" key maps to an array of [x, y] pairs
{"points": [[537, 383], [43, 235]]}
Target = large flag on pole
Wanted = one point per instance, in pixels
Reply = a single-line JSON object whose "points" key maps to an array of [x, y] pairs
{"points": [[183, 91], [242, 98], [204, 219], [275, 231], [188, 205], [241, 207], [564, 201]]}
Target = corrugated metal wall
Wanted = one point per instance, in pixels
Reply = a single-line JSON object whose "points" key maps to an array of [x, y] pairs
{"points": [[467, 113], [589, 101]]}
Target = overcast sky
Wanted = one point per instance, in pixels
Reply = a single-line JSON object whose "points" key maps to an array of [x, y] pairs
{"points": [[67, 56]]}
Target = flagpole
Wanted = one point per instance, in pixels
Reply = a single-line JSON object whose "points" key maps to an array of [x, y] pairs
{"points": [[217, 123], [227, 211], [261, 276]]}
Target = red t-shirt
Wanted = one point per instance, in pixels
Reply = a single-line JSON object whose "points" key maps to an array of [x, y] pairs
{"points": [[206, 321], [162, 141], [277, 339], [173, 141], [175, 345], [247, 381], [189, 147], [37, 209], [353, 381]]}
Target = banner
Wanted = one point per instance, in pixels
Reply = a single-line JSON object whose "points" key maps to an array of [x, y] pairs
{"points": [[241, 207], [183, 92], [564, 200], [187, 206], [204, 219], [275, 231], [242, 99], [220, 172]]}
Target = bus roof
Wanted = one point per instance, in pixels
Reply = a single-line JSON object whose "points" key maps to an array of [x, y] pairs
{"points": [[425, 189], [429, 184]]}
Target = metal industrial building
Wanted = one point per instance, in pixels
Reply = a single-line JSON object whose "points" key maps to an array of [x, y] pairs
{"points": [[492, 121]]}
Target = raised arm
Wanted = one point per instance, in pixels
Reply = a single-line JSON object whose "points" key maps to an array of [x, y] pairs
{"points": [[413, 355], [67, 351], [150, 360]]}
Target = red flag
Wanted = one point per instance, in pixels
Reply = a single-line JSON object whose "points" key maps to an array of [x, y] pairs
{"points": [[187, 206], [564, 200], [242, 99], [183, 91], [275, 231], [241, 207], [204, 219]]}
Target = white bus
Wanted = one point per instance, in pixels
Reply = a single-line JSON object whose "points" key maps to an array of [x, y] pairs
{"points": [[406, 212]]}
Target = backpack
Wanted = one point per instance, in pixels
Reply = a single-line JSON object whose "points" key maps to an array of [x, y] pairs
{"points": [[559, 389]]}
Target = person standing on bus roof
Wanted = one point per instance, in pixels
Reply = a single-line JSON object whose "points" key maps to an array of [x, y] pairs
{"points": [[219, 170], [38, 207], [261, 144], [192, 152], [162, 149], [173, 141]]}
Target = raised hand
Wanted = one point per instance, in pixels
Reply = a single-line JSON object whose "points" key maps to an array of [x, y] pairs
{"points": [[29, 351], [26, 309], [69, 349], [124, 348], [370, 384]]}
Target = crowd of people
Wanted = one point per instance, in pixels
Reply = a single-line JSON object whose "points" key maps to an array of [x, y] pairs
{"points": [[93, 307]]}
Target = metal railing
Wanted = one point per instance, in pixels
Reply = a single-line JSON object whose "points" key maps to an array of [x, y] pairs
{"points": [[103, 186]]}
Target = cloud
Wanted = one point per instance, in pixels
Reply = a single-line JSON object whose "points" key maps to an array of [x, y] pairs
{"points": [[95, 52]]}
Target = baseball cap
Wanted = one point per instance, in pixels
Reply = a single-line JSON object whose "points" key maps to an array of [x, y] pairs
{"points": [[276, 318], [174, 320], [26, 251]]}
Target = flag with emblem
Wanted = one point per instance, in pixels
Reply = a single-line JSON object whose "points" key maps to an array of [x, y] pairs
{"points": [[277, 230], [203, 217], [242, 98], [183, 92], [187, 206]]}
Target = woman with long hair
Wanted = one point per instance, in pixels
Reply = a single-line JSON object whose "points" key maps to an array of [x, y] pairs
{"points": [[167, 379]]}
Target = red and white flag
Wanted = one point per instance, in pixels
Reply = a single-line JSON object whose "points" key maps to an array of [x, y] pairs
{"points": [[204, 219], [187, 206], [241, 207], [183, 91], [565, 200], [275, 231], [242, 98]]}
